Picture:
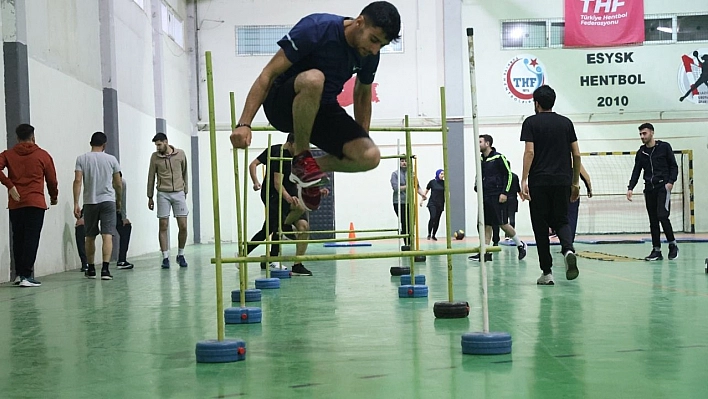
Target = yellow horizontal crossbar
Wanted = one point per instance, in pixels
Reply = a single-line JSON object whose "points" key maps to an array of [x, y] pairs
{"points": [[370, 255]]}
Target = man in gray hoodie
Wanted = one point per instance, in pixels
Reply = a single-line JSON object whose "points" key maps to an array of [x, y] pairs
{"points": [[169, 164]]}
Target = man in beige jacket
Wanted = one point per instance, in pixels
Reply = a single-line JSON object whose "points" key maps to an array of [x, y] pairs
{"points": [[170, 166]]}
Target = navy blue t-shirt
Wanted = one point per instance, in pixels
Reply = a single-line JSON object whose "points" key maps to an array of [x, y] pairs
{"points": [[317, 42]]}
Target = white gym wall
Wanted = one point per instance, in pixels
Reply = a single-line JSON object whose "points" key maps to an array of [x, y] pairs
{"points": [[66, 108]]}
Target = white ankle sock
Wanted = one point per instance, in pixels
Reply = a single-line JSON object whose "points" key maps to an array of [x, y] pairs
{"points": [[516, 240], [165, 254], [180, 251]]}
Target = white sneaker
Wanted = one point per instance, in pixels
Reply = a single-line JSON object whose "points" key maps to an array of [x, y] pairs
{"points": [[545, 279], [29, 282], [571, 266], [17, 281], [277, 266]]}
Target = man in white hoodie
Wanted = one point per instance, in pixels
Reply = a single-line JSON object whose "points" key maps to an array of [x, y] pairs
{"points": [[169, 164]]}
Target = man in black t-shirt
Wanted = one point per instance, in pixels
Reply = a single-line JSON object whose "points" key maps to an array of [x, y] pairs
{"points": [[289, 211], [550, 180]]}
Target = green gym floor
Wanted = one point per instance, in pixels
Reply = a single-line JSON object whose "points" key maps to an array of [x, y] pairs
{"points": [[624, 329]]}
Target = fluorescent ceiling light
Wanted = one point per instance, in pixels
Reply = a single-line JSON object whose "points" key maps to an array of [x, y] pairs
{"points": [[665, 29]]}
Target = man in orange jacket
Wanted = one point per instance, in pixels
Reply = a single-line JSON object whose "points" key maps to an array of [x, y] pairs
{"points": [[28, 167]]}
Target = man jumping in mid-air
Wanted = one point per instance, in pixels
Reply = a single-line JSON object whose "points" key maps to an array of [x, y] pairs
{"points": [[703, 79], [298, 89]]}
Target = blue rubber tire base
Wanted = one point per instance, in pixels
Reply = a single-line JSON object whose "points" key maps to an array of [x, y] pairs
{"points": [[399, 271], [251, 295], [226, 351], [491, 343], [419, 279], [247, 315], [267, 283], [413, 291], [281, 273]]}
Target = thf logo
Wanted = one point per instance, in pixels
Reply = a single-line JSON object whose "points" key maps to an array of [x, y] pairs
{"points": [[608, 5], [693, 77], [524, 74]]}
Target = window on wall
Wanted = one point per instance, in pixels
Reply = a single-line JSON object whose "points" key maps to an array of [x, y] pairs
{"points": [[557, 33], [692, 28], [263, 40], [172, 25], [524, 34], [664, 28], [658, 30], [259, 39]]}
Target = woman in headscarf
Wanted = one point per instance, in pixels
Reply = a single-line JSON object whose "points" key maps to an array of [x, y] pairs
{"points": [[436, 203]]}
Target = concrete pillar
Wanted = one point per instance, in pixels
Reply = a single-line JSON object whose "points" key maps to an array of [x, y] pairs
{"points": [[17, 97], [454, 36]]}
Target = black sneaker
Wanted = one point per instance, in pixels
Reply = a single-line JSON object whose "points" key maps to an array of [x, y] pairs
{"points": [[487, 257], [90, 272], [84, 267], [181, 261], [125, 265], [106, 275], [654, 255], [300, 270], [673, 251], [571, 265], [522, 250]]}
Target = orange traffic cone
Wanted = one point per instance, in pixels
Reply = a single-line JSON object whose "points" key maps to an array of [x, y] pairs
{"points": [[351, 231]]}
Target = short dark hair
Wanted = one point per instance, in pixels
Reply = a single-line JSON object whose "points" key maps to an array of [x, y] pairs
{"points": [[545, 97], [98, 139], [646, 126], [159, 137], [384, 15], [24, 131], [487, 138]]}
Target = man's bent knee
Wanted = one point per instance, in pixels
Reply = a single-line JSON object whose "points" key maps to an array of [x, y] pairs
{"points": [[302, 225], [312, 79], [371, 158]]}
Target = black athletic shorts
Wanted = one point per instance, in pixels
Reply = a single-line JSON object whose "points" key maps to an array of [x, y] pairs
{"points": [[495, 213], [332, 129], [273, 207]]}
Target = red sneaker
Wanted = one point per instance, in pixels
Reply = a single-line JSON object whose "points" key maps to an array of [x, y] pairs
{"points": [[305, 171], [309, 197]]}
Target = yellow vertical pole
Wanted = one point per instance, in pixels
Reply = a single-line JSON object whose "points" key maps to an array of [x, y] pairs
{"points": [[448, 239], [239, 232], [245, 219], [415, 203], [269, 173], [215, 199], [411, 192]]}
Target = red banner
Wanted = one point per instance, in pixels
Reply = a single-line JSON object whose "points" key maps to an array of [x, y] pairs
{"points": [[603, 23]]}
